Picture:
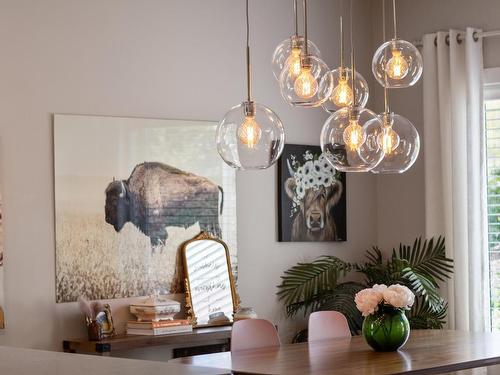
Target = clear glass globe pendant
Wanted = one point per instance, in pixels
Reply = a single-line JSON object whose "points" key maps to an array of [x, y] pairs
{"points": [[342, 92], [250, 136], [349, 140], [288, 53], [311, 87], [312, 84], [396, 63], [400, 142]]}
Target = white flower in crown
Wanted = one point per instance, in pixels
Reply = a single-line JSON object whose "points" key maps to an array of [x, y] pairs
{"points": [[313, 174]]}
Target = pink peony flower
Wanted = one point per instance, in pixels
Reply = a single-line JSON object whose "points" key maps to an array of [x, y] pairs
{"points": [[399, 296], [367, 301]]}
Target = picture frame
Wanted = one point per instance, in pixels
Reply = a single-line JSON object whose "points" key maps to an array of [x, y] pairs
{"points": [[105, 319], [311, 197]]}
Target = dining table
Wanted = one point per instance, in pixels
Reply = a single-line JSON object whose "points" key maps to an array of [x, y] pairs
{"points": [[20, 361], [426, 352]]}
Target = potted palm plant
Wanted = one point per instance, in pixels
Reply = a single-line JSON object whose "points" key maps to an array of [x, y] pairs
{"points": [[322, 284]]}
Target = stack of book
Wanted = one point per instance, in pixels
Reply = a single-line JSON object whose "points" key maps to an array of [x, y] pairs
{"points": [[161, 327]]}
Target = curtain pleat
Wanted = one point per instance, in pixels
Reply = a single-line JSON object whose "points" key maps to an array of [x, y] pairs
{"points": [[454, 168]]}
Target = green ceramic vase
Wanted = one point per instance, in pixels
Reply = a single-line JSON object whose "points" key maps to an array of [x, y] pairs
{"points": [[387, 330]]}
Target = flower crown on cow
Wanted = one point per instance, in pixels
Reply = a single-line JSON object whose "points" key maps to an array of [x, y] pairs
{"points": [[316, 172]]}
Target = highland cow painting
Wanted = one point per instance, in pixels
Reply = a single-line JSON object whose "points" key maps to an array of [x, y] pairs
{"points": [[311, 196], [128, 192]]}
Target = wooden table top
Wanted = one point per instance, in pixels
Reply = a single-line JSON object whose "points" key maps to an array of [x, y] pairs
{"points": [[16, 361], [126, 342], [426, 352]]}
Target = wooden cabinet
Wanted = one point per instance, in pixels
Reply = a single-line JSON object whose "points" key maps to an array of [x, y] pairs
{"points": [[199, 341]]}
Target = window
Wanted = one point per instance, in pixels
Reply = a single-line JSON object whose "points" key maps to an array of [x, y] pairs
{"points": [[492, 118], [492, 124]]}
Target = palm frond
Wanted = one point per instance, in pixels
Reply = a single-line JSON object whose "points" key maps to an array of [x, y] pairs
{"points": [[422, 316], [341, 299], [423, 286], [305, 282], [428, 258]]}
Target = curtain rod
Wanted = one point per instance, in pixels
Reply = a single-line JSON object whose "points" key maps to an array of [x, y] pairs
{"points": [[477, 35]]}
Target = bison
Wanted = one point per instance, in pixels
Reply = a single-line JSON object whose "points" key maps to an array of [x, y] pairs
{"points": [[314, 220], [157, 195]]}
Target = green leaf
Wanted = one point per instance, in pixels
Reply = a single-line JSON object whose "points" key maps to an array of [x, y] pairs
{"points": [[304, 283]]}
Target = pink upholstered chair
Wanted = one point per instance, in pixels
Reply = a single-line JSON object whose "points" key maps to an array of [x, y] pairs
{"points": [[253, 334], [325, 325]]}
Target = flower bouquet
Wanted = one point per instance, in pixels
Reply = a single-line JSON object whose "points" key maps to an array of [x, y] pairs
{"points": [[385, 327]]}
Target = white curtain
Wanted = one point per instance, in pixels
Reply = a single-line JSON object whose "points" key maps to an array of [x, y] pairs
{"points": [[454, 157]]}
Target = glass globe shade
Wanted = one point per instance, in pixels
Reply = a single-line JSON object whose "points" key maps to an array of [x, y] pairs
{"points": [[250, 136], [397, 64], [403, 154], [342, 92], [311, 88], [286, 53], [348, 148]]}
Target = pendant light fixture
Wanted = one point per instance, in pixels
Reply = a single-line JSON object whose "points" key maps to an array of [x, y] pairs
{"points": [[349, 138], [342, 94], [397, 63], [250, 136], [399, 139], [314, 83], [289, 50]]}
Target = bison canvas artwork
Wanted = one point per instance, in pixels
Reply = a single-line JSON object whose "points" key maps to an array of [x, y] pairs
{"points": [[128, 192], [312, 196]]}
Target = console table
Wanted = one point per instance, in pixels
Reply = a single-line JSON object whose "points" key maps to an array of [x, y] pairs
{"points": [[199, 341]]}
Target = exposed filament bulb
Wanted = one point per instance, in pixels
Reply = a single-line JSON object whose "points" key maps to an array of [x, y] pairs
{"points": [[354, 135], [397, 66], [388, 139], [342, 94], [293, 62], [305, 85], [249, 132]]}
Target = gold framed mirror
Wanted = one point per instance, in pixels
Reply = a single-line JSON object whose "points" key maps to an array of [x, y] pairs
{"points": [[211, 297]]}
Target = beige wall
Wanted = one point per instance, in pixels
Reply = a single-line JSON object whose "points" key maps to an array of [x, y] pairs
{"points": [[162, 59], [401, 198]]}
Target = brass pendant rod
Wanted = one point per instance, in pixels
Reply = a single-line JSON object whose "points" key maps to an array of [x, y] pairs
{"points": [[341, 45], [296, 19], [386, 94], [249, 71], [394, 18], [305, 27]]}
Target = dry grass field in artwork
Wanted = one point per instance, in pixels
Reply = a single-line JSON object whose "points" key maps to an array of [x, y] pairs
{"points": [[95, 261]]}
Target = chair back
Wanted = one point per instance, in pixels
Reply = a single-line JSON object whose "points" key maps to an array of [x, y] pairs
{"points": [[253, 334], [324, 325]]}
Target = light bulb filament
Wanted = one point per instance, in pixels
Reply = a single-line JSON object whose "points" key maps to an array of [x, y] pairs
{"points": [[249, 132], [354, 135], [388, 140], [294, 62], [342, 94], [305, 85], [397, 66]]}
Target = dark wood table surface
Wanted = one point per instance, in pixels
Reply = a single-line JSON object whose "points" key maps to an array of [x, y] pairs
{"points": [[199, 336], [426, 352]]}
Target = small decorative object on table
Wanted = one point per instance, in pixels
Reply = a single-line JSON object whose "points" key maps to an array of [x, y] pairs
{"points": [[155, 316], [98, 319], [155, 308], [245, 313], [385, 327]]}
